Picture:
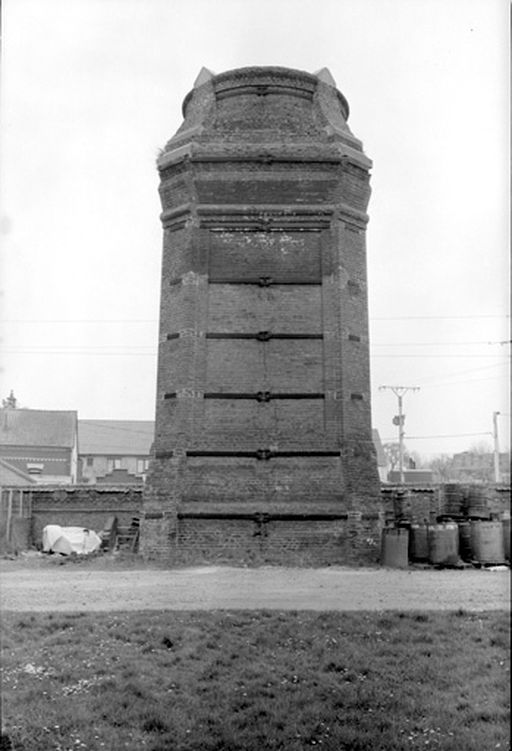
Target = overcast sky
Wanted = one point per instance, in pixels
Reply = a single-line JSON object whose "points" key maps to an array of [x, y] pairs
{"points": [[91, 89]]}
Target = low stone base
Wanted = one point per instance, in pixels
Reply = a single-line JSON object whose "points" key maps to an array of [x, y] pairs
{"points": [[157, 535], [350, 539]]}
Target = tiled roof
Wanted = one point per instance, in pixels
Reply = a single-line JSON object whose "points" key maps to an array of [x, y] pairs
{"points": [[37, 427], [115, 437]]}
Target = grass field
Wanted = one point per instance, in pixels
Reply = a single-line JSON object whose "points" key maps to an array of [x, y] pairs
{"points": [[250, 681]]}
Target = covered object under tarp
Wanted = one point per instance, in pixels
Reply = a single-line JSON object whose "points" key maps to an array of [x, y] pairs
{"points": [[69, 540]]}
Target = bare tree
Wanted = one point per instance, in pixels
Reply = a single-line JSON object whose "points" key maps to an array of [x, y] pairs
{"points": [[392, 452], [441, 466], [11, 401], [481, 447]]}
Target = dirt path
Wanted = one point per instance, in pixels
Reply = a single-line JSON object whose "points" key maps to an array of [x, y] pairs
{"points": [[61, 588]]}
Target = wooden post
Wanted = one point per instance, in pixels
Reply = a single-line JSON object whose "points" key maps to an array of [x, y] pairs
{"points": [[9, 515]]}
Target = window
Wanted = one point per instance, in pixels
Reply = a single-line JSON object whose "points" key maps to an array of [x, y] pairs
{"points": [[90, 461], [142, 466], [114, 462]]}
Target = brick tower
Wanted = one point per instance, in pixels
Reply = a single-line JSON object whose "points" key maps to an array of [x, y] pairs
{"points": [[263, 396]]}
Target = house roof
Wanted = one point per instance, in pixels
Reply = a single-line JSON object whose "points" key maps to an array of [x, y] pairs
{"points": [[37, 427], [11, 475], [111, 437]]}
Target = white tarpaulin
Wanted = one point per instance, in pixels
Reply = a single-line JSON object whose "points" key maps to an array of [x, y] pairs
{"points": [[69, 540]]}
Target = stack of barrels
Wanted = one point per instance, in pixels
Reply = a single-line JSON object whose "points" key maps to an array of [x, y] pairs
{"points": [[465, 532]]}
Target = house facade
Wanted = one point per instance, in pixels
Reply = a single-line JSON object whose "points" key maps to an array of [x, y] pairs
{"points": [[11, 475], [40, 444], [472, 466], [412, 476], [114, 452], [382, 461]]}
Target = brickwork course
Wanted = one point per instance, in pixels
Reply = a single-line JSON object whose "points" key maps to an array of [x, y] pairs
{"points": [[263, 389], [218, 534]]}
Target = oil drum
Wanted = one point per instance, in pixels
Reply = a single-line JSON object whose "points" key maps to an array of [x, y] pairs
{"points": [[394, 547], [443, 544], [487, 542], [477, 502], [418, 542], [465, 549]]}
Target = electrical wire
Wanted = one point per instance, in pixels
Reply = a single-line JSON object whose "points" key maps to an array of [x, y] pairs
{"points": [[155, 320], [118, 429], [425, 437]]}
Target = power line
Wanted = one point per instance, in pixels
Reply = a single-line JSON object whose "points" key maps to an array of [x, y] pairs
{"points": [[406, 356], [453, 435], [149, 350], [80, 320], [457, 383], [433, 344], [372, 344], [429, 379], [117, 429], [78, 348], [155, 320], [428, 318], [399, 420], [81, 354], [424, 344]]}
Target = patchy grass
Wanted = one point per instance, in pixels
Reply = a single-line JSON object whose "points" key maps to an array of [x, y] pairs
{"points": [[251, 681]]}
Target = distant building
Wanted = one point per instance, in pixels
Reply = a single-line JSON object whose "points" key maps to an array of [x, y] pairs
{"points": [[11, 475], [471, 466], [40, 444], [382, 461], [114, 451], [412, 476]]}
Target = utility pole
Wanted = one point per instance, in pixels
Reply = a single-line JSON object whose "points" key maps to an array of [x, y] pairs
{"points": [[497, 475], [399, 420]]}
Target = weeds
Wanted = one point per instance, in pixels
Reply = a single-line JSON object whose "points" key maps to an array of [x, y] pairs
{"points": [[252, 681]]}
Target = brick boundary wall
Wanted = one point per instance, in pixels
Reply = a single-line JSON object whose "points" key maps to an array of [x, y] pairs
{"points": [[225, 535], [82, 506]]}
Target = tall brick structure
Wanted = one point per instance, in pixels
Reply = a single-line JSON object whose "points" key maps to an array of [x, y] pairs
{"points": [[263, 396]]}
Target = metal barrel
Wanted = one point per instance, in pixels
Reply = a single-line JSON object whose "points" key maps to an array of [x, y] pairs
{"points": [[394, 547], [465, 549], [454, 499], [402, 505], [418, 542], [487, 542], [477, 502], [506, 538], [443, 543]]}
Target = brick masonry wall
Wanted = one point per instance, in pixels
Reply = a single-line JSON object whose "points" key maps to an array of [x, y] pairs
{"points": [[279, 541], [417, 505], [77, 506], [238, 532], [425, 504], [254, 188], [231, 479], [499, 500]]}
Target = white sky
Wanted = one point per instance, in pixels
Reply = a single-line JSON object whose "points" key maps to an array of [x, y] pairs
{"points": [[91, 89]]}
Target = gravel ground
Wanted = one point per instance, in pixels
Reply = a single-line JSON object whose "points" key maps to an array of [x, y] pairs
{"points": [[46, 586]]}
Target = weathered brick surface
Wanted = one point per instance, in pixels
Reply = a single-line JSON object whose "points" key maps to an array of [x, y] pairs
{"points": [[246, 255], [264, 193], [294, 542], [288, 529], [278, 309], [82, 506]]}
